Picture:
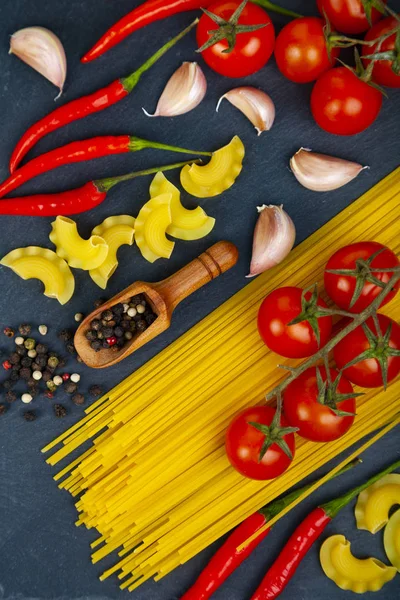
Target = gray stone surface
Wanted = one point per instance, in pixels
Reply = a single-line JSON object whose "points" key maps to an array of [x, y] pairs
{"points": [[42, 555]]}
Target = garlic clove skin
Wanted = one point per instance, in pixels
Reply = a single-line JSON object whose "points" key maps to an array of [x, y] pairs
{"points": [[183, 92], [255, 104], [322, 173], [42, 50], [274, 237]]}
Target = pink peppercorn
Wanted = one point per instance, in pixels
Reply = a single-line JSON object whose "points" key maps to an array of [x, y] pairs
{"points": [[111, 341], [66, 376], [49, 395], [7, 365]]}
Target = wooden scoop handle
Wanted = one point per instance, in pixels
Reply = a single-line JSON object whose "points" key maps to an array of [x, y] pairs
{"points": [[208, 266]]}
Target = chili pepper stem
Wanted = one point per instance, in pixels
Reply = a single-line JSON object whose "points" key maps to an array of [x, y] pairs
{"points": [[136, 144], [132, 80], [357, 320], [334, 506], [277, 9], [104, 185]]}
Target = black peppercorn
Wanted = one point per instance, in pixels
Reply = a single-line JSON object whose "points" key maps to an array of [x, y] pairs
{"points": [[126, 324], [40, 361], [91, 335], [65, 335], [96, 345], [150, 318], [8, 384], [118, 309], [106, 315], [29, 415], [141, 325], [118, 332], [95, 390], [16, 368], [26, 361], [31, 383], [11, 396], [99, 302], [61, 362], [24, 329], [25, 373], [3, 409], [47, 375], [70, 348], [107, 331], [14, 376], [136, 299], [21, 350], [70, 387], [14, 358], [41, 349], [33, 391], [95, 324], [78, 399], [60, 410], [105, 344]]}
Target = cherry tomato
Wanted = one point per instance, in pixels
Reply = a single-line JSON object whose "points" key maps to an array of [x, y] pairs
{"points": [[368, 373], [252, 49], [317, 421], [341, 287], [301, 51], [244, 443], [343, 104], [348, 16], [383, 72], [293, 341]]}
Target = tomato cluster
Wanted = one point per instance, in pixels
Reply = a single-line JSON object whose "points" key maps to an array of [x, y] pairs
{"points": [[344, 101], [320, 404]]}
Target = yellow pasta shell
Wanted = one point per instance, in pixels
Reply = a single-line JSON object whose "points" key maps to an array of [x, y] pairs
{"points": [[186, 224], [115, 231], [151, 225], [391, 540], [374, 503], [34, 262], [218, 175], [79, 253], [349, 572]]}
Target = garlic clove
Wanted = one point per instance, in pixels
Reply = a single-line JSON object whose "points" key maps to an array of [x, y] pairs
{"points": [[255, 104], [183, 92], [274, 237], [42, 50], [322, 173]]}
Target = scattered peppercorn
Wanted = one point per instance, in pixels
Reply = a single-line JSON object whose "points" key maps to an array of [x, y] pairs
{"points": [[32, 353], [111, 341], [49, 394], [26, 361], [26, 398], [79, 359], [41, 361], [99, 302], [46, 376], [95, 324], [75, 377], [29, 415], [65, 376], [31, 383], [14, 358], [78, 399], [51, 386], [11, 396], [14, 376], [25, 373], [65, 335], [58, 380], [150, 319], [21, 350], [70, 387], [8, 384], [106, 315], [141, 325], [24, 329], [41, 349], [9, 332], [96, 345], [96, 390], [61, 362], [3, 409], [7, 365], [19, 340], [106, 332], [42, 329], [60, 411], [30, 343], [70, 348], [91, 335], [53, 362], [78, 317]]}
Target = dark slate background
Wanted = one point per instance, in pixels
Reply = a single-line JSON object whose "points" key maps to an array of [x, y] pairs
{"points": [[42, 554]]}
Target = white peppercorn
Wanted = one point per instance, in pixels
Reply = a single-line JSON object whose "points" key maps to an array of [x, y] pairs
{"points": [[37, 375], [42, 329], [75, 377], [132, 312], [58, 380], [78, 317], [19, 340], [140, 309], [26, 398], [32, 353]]}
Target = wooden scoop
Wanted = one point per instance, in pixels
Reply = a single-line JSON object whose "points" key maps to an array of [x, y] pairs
{"points": [[163, 297]]}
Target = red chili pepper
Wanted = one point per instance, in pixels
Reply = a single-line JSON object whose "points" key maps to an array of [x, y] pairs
{"points": [[74, 201], [228, 558], [80, 151], [87, 105], [155, 10], [303, 537]]}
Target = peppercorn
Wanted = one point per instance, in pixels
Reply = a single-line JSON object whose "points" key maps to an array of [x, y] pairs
{"points": [[40, 361], [24, 329], [118, 309], [140, 308], [106, 315], [70, 387], [42, 329], [19, 340], [7, 365], [31, 382], [111, 341], [106, 344], [16, 368], [71, 348], [79, 359], [65, 376], [118, 332], [53, 362], [47, 375], [21, 350], [26, 398], [96, 345], [95, 324], [29, 415], [132, 312], [97, 303], [91, 335], [14, 358], [8, 384], [32, 353], [150, 318], [37, 375], [30, 343], [58, 380], [125, 324], [136, 299], [9, 332], [126, 307], [51, 385], [49, 395], [61, 362], [33, 391], [25, 373], [11, 396], [78, 399], [14, 376], [100, 335], [96, 390], [78, 317], [41, 349], [107, 331], [65, 335], [26, 361], [3, 409], [128, 335], [141, 325]]}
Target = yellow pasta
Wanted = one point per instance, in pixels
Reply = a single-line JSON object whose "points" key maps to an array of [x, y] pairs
{"points": [[391, 540], [115, 231], [218, 175], [186, 224], [349, 572], [34, 262], [151, 225], [157, 485], [79, 253], [373, 504]]}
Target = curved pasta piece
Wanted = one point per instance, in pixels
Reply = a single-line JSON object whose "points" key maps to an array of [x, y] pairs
{"points": [[349, 572], [374, 503], [186, 224], [391, 540], [151, 225], [79, 253], [34, 262], [115, 231], [216, 176]]}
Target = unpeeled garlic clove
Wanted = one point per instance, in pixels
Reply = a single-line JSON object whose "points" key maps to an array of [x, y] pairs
{"points": [[42, 50], [255, 104], [322, 173], [274, 237], [183, 92]]}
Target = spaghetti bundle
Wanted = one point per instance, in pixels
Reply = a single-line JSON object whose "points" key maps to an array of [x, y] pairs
{"points": [[156, 483]]}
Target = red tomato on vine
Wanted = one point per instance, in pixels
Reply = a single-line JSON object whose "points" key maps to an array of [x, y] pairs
{"points": [[386, 70], [351, 16], [242, 37]]}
